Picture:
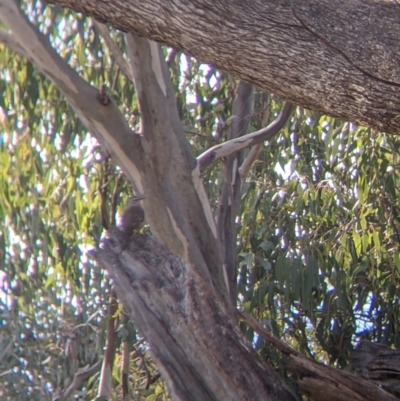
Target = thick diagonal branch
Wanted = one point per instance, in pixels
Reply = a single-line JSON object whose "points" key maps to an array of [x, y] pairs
{"points": [[301, 50], [104, 120]]}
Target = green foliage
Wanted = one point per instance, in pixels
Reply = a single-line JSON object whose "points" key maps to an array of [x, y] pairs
{"points": [[53, 180], [318, 234], [319, 238]]}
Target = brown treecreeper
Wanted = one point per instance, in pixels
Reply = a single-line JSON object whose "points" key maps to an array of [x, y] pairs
{"points": [[133, 216]]}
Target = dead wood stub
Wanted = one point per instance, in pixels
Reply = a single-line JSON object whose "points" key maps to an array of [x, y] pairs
{"points": [[379, 364]]}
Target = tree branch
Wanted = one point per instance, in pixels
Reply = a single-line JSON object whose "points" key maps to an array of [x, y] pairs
{"points": [[80, 377], [177, 208], [234, 145], [114, 49], [105, 385], [9, 40], [255, 150], [105, 121], [229, 199], [304, 52], [321, 382]]}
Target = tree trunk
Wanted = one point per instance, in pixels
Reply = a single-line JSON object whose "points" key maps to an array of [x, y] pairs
{"points": [[173, 284], [159, 163], [193, 335], [337, 57]]}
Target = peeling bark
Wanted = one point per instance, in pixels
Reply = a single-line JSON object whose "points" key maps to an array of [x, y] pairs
{"points": [[192, 334]]}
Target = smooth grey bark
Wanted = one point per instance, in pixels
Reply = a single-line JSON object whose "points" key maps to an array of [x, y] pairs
{"points": [[229, 199], [337, 57], [235, 144]]}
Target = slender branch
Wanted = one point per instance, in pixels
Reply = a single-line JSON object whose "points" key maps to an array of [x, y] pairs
{"points": [[105, 385], [234, 145], [114, 49], [248, 162], [114, 199], [79, 378], [125, 358], [255, 150], [151, 380], [103, 190], [265, 334], [230, 190]]}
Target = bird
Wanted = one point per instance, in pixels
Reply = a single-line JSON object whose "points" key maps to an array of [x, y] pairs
{"points": [[133, 216]]}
